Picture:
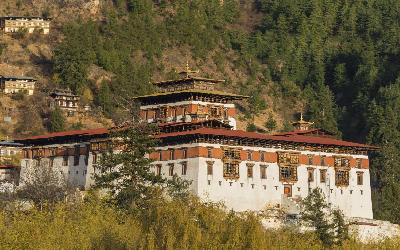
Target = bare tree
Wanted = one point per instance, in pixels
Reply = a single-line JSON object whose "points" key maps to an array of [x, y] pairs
{"points": [[43, 185]]}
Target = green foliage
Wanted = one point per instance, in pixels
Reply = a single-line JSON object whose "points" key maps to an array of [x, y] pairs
{"points": [[384, 131], [166, 224], [329, 226], [103, 98], [270, 124], [128, 175], [251, 127], [75, 54], [56, 120], [3, 46]]}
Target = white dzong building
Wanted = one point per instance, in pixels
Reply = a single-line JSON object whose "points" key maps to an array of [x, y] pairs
{"points": [[198, 141]]}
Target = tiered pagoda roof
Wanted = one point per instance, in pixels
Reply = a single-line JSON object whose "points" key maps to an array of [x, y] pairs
{"points": [[188, 87]]}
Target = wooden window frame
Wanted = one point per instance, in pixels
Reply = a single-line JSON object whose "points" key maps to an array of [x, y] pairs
{"points": [[263, 171], [310, 174], [342, 177], [184, 167], [250, 172], [210, 167], [287, 173], [360, 178], [171, 169], [322, 175]]}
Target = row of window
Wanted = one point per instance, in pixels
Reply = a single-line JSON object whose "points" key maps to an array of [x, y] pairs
{"points": [[234, 153], [172, 168], [287, 173]]}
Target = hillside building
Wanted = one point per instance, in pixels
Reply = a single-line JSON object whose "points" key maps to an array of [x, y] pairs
{"points": [[17, 84], [65, 100], [12, 24], [198, 141]]}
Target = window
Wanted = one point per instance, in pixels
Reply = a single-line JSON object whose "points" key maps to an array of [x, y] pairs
{"points": [[323, 160], [322, 175], [209, 152], [341, 162], [310, 159], [210, 165], [262, 156], [65, 160], [358, 163], [360, 178], [231, 170], [263, 171], [95, 158], [310, 172], [249, 155], [51, 162], [171, 169], [288, 173], [160, 155], [84, 172], [184, 153], [250, 170], [342, 178], [184, 168], [172, 154], [231, 153], [158, 169]]}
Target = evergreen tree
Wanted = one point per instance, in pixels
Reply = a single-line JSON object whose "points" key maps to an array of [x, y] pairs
{"points": [[128, 175], [384, 132], [56, 120]]}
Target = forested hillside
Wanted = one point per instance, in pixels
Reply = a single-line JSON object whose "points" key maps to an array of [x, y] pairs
{"points": [[338, 61]]}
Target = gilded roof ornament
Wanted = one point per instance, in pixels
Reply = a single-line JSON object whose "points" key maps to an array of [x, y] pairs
{"points": [[187, 71]]}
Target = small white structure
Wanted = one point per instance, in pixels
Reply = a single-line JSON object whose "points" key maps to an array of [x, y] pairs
{"points": [[11, 24]]}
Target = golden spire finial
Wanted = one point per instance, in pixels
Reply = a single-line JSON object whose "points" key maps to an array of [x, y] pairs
{"points": [[187, 71], [301, 116]]}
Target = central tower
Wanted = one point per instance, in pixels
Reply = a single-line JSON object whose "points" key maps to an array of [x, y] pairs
{"points": [[188, 99]]}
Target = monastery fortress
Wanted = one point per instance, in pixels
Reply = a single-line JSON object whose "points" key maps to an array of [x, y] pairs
{"points": [[198, 141]]}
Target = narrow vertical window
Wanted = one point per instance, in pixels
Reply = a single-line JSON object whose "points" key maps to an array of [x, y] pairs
{"points": [[360, 178], [358, 163], [250, 170], [209, 152], [310, 159], [263, 171], [95, 158], [249, 155], [171, 169], [160, 155], [210, 165], [322, 175], [172, 154], [323, 160], [184, 153], [158, 169], [310, 172], [184, 168], [262, 156]]}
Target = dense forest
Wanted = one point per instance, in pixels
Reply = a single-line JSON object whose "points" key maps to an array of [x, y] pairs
{"points": [[339, 58]]}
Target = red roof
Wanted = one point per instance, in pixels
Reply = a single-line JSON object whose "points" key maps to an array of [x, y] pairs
{"points": [[97, 131], [315, 131], [252, 135], [7, 166]]}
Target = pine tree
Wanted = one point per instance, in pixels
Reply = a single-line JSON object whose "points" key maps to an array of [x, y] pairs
{"points": [[56, 120], [128, 175]]}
